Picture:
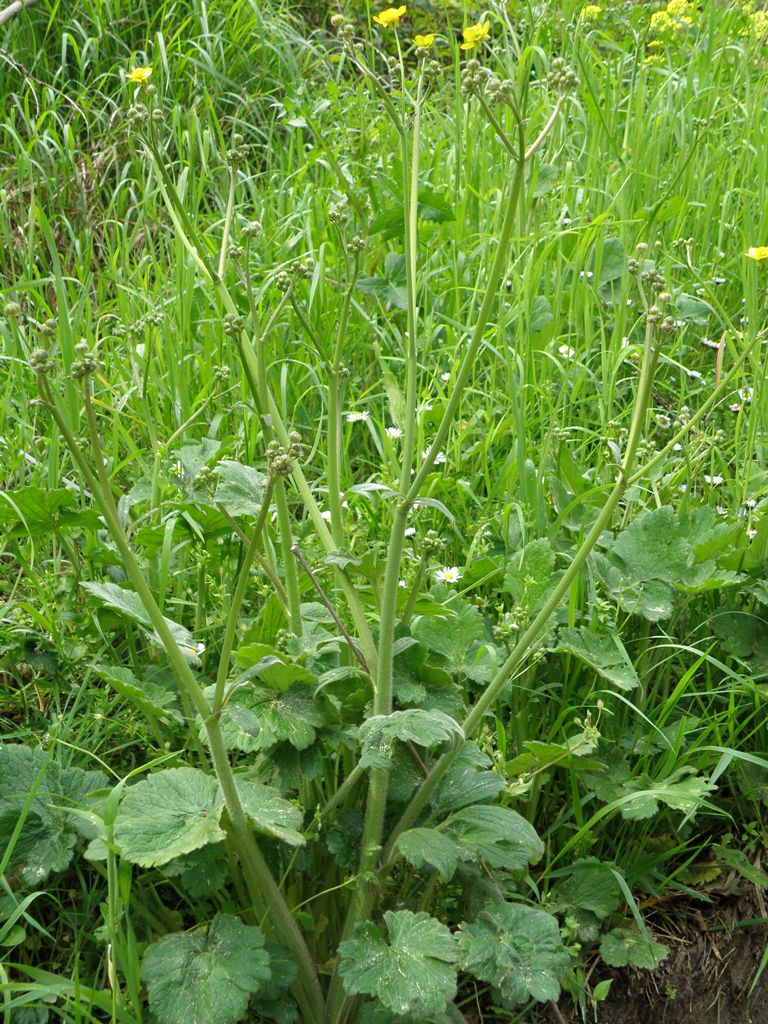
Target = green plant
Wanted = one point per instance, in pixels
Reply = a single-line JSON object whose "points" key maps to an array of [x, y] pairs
{"points": [[378, 752]]}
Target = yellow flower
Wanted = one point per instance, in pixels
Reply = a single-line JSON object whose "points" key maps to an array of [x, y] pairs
{"points": [[590, 12], [424, 42], [390, 17], [758, 252], [139, 76], [474, 34]]}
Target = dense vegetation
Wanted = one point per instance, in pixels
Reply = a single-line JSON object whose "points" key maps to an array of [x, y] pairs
{"points": [[383, 483]]}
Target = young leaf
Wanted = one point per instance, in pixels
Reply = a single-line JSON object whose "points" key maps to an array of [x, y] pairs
{"points": [[422, 846], [241, 489], [270, 813], [467, 781], [677, 791], [207, 974], [530, 576], [148, 697], [603, 651], [623, 947], [499, 836], [517, 949], [425, 728], [170, 813], [128, 603], [50, 833], [591, 886], [413, 973]]}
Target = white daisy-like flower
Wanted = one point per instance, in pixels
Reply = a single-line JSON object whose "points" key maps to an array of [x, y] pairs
{"points": [[566, 351], [448, 574], [445, 377], [715, 481], [326, 515], [393, 433], [358, 417], [663, 422], [745, 394], [409, 531]]}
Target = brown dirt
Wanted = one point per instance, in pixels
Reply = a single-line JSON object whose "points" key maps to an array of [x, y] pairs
{"points": [[715, 953]]}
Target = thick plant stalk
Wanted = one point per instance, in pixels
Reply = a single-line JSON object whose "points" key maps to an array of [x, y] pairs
{"points": [[474, 719], [261, 884]]}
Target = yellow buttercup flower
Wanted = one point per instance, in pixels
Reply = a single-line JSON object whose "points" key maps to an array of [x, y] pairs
{"points": [[758, 252], [390, 17], [590, 12], [474, 34], [139, 76], [424, 42]]}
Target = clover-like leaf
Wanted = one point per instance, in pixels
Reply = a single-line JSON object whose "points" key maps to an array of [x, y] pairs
{"points": [[623, 947], [207, 974], [414, 725], [412, 974], [517, 949], [456, 636], [170, 813]]}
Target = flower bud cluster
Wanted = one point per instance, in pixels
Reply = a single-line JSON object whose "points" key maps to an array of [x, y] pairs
{"points": [[280, 459], [562, 78], [40, 361], [86, 364], [238, 152], [234, 325], [251, 229]]}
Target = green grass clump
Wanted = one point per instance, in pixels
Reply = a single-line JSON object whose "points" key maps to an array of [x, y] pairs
{"points": [[383, 487]]}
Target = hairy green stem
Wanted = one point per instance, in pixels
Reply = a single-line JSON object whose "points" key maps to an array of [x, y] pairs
{"points": [[475, 718], [261, 884], [230, 629]]}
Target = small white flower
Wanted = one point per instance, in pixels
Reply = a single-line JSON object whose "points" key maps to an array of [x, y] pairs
{"points": [[566, 351], [425, 407], [750, 502], [745, 394], [586, 275], [677, 447], [409, 531], [708, 343], [402, 583], [719, 280], [200, 648], [445, 377], [358, 417], [695, 374], [663, 422], [393, 433], [326, 515], [683, 488], [715, 481], [751, 534], [440, 459], [449, 574], [735, 407]]}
